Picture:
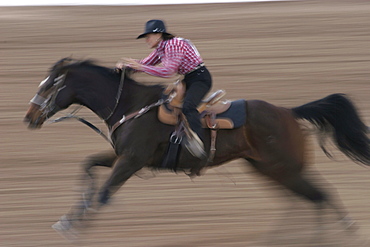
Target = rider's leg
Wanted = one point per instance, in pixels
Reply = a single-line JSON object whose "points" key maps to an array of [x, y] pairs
{"points": [[193, 97], [198, 84]]}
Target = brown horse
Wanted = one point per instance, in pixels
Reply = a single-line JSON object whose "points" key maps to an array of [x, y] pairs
{"points": [[270, 139]]}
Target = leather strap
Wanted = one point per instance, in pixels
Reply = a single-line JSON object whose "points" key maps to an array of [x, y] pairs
{"points": [[212, 124]]}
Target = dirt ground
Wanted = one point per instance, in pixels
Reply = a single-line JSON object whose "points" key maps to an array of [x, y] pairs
{"points": [[287, 53]]}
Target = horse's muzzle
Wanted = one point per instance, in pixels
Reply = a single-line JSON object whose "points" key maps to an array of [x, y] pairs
{"points": [[32, 125], [34, 117]]}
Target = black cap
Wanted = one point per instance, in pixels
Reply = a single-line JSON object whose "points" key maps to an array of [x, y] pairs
{"points": [[153, 26]]}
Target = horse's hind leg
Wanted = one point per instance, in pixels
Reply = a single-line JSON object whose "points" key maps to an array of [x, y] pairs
{"points": [[295, 182], [305, 189], [322, 200], [342, 214], [302, 187]]}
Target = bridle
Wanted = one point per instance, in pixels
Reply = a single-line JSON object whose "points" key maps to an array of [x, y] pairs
{"points": [[47, 105]]}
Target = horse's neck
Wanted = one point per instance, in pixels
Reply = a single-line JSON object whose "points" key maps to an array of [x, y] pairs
{"points": [[95, 91], [99, 93], [134, 97]]}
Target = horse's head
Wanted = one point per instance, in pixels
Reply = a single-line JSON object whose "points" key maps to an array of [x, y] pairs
{"points": [[44, 104], [85, 83]]}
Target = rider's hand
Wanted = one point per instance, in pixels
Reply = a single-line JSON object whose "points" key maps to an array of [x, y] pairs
{"points": [[119, 65], [129, 62]]}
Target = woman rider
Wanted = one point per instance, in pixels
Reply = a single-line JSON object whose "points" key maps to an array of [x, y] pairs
{"points": [[174, 55]]}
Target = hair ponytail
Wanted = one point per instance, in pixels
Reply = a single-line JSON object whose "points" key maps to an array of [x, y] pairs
{"points": [[167, 36]]}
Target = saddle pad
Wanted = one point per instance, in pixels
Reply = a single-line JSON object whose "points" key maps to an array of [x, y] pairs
{"points": [[236, 114], [233, 117]]}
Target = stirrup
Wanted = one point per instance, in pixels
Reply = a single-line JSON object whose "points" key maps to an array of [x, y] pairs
{"points": [[194, 145]]}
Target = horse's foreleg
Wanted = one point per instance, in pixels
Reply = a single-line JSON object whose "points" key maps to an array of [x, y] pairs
{"points": [[124, 168], [88, 182], [69, 223], [343, 216]]}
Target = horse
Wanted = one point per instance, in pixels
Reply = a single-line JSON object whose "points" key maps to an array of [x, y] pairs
{"points": [[271, 138]]}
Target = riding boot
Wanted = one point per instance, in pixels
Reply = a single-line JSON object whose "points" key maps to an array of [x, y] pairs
{"points": [[194, 145], [193, 141]]}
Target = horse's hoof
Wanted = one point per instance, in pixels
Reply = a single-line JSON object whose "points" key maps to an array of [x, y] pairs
{"points": [[348, 223], [65, 229]]}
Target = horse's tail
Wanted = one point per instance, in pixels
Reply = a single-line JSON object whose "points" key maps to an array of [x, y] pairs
{"points": [[336, 115]]}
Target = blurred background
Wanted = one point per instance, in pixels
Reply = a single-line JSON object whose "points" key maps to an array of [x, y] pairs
{"points": [[287, 53]]}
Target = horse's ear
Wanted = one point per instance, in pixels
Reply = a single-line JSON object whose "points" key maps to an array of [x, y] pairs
{"points": [[61, 63], [66, 61]]}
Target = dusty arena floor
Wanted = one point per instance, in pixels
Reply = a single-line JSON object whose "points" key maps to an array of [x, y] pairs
{"points": [[287, 53]]}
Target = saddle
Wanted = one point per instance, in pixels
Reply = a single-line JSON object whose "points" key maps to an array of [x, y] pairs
{"points": [[209, 108]]}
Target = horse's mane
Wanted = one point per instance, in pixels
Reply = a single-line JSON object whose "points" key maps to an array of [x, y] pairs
{"points": [[69, 63]]}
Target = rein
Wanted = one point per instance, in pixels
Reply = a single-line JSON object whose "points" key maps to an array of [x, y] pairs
{"points": [[118, 96], [84, 121], [137, 114], [125, 118]]}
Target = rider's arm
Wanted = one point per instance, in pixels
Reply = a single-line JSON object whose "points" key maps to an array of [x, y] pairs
{"points": [[170, 63]]}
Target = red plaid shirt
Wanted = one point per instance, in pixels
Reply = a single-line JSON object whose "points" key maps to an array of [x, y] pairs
{"points": [[177, 55]]}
